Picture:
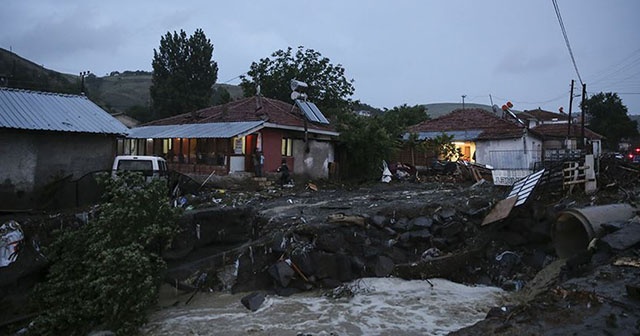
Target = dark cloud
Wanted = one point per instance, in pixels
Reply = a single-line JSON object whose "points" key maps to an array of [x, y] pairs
{"points": [[410, 51]]}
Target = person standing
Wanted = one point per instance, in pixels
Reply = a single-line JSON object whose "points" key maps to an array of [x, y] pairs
{"points": [[256, 163], [260, 164], [284, 171]]}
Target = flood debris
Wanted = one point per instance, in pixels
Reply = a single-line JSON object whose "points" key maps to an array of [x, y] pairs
{"points": [[520, 192], [280, 242], [11, 239]]}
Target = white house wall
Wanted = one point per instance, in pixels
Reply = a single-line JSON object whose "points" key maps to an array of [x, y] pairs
{"points": [[511, 159], [315, 163]]}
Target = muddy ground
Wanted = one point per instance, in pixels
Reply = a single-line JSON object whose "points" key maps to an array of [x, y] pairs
{"points": [[252, 237]]}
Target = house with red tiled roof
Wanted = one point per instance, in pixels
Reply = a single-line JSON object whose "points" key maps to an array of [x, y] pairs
{"points": [[539, 116], [505, 144], [225, 138], [558, 133]]}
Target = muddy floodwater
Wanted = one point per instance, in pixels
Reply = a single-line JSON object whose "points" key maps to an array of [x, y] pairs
{"points": [[381, 306]]}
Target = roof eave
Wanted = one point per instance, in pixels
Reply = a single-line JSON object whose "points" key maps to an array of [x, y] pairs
{"points": [[301, 129]]}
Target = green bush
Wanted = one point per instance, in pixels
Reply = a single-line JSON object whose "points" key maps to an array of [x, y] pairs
{"points": [[106, 274]]}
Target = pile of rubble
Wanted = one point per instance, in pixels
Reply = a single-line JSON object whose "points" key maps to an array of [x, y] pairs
{"points": [[320, 239]]}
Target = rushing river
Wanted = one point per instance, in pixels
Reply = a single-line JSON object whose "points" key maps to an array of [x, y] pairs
{"points": [[382, 306]]}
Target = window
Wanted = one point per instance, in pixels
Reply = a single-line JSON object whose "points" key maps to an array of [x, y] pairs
{"points": [[287, 147]]}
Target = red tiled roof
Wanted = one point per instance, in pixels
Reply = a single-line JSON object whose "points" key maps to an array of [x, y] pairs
{"points": [[492, 127], [548, 131], [542, 115], [247, 109]]}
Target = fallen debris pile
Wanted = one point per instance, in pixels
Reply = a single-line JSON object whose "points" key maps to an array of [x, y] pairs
{"points": [[424, 230]]}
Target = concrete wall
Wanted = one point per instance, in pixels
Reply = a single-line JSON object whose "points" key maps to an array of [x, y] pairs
{"points": [[18, 161], [31, 160], [315, 163]]}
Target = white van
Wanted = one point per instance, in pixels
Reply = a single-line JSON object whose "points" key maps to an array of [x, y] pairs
{"points": [[149, 166]]}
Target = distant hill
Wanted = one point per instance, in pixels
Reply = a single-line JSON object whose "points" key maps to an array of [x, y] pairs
{"points": [[119, 92], [20, 73]]}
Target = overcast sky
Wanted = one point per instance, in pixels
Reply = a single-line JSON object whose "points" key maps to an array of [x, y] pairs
{"points": [[398, 52]]}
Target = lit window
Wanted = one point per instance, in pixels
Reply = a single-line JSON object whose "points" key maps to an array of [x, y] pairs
{"points": [[287, 147]]}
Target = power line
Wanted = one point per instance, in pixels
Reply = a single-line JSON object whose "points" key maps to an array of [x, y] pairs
{"points": [[629, 62], [533, 103], [236, 77], [566, 38]]}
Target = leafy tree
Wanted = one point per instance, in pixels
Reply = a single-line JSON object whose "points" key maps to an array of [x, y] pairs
{"points": [[220, 96], [414, 145], [609, 118], [367, 142], [106, 274], [328, 88], [443, 146], [400, 117], [183, 73]]}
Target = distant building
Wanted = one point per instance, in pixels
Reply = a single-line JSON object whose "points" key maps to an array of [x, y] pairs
{"points": [[363, 113], [481, 136], [126, 120]]}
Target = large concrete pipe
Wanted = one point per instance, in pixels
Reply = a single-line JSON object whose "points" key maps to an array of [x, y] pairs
{"points": [[575, 228]]}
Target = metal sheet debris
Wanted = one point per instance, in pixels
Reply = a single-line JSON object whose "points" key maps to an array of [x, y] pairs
{"points": [[518, 196], [11, 236], [524, 187]]}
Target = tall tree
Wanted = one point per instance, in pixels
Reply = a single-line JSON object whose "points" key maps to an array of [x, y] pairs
{"points": [[609, 118], [328, 86], [220, 96], [183, 73], [400, 117]]}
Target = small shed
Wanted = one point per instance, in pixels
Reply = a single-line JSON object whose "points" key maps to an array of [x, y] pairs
{"points": [[45, 137]]}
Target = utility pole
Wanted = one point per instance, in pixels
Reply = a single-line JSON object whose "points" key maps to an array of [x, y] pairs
{"points": [[583, 107], [463, 96], [570, 106]]}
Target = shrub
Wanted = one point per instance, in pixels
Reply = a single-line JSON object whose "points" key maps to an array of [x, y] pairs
{"points": [[106, 274]]}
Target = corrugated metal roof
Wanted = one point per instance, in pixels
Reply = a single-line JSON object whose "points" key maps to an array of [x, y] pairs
{"points": [[467, 135], [33, 110], [210, 130]]}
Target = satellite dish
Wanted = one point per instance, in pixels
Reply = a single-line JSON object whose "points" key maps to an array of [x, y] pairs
{"points": [[297, 95], [297, 85]]}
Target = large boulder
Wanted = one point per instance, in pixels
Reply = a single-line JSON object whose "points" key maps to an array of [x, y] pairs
{"points": [[253, 301], [282, 273], [383, 266]]}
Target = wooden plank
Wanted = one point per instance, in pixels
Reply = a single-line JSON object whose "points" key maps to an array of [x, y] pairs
{"points": [[501, 210]]}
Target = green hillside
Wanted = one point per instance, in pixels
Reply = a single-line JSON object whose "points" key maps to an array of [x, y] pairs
{"points": [[20, 73], [129, 90], [126, 91]]}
